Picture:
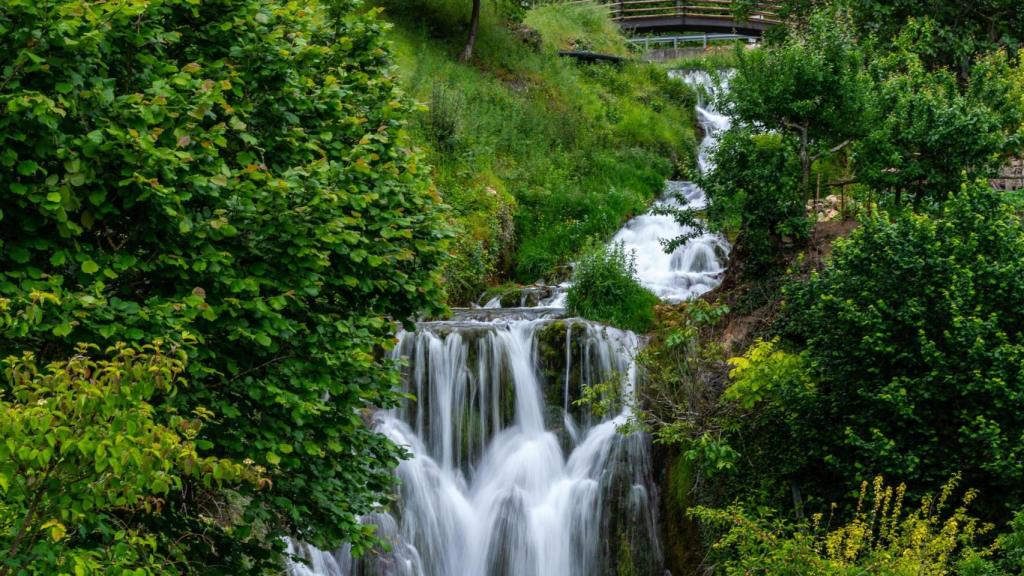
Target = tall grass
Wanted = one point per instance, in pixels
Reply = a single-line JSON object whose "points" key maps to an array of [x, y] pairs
{"points": [[577, 27], [536, 154]]}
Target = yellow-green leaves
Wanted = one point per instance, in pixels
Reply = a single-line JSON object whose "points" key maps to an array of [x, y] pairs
{"points": [[80, 445]]}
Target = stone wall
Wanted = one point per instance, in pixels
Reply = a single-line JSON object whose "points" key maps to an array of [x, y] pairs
{"points": [[1011, 177]]}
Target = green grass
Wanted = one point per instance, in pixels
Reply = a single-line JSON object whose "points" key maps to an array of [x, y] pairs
{"points": [[719, 58], [577, 27], [536, 154]]}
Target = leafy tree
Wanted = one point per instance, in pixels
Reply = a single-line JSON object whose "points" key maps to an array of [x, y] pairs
{"points": [[82, 448], [755, 188], [925, 129], [914, 334], [963, 29], [812, 85], [236, 170]]}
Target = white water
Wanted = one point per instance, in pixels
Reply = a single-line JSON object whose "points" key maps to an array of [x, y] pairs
{"points": [[697, 266], [507, 476]]}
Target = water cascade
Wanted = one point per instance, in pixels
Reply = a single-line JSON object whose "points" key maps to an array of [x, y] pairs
{"points": [[697, 266], [508, 475]]}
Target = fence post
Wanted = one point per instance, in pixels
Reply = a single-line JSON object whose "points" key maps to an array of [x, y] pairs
{"points": [[705, 40]]}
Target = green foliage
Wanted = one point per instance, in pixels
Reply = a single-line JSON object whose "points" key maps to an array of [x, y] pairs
{"points": [[603, 398], [963, 29], [812, 86], [84, 447], [235, 170], [932, 540], [913, 332], [765, 374], [675, 404], [755, 189], [549, 154], [1011, 545], [711, 61], [925, 128], [605, 289]]}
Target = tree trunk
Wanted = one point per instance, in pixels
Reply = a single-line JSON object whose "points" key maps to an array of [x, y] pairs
{"points": [[474, 24], [805, 160]]}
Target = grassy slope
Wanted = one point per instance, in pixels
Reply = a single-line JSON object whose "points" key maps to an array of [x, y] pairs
{"points": [[535, 153]]}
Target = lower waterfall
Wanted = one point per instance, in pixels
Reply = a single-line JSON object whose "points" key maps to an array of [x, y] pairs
{"points": [[508, 477]]}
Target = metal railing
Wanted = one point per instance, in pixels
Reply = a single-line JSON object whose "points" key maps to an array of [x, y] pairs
{"points": [[675, 41]]}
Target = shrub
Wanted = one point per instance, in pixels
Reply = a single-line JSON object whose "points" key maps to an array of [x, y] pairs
{"points": [[755, 188], [236, 170], [913, 332], [81, 444], [605, 289], [882, 540]]}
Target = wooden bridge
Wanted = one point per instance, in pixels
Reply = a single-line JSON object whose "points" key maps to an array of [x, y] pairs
{"points": [[660, 16]]}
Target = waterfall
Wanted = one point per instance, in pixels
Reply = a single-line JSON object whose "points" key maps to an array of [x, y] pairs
{"points": [[697, 266], [508, 475]]}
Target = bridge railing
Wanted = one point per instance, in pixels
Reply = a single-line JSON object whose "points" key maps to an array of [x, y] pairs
{"points": [[626, 11], [648, 42]]}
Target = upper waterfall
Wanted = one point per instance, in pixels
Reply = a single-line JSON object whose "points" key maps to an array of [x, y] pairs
{"points": [[697, 266]]}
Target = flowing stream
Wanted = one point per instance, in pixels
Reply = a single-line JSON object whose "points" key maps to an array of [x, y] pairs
{"points": [[509, 476], [696, 267]]}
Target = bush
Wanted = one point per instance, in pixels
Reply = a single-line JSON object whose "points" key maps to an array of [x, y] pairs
{"points": [[882, 540], [755, 189], [914, 336], [80, 445], [234, 171], [605, 289]]}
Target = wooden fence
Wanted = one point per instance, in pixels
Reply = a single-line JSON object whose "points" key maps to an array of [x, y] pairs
{"points": [[631, 11]]}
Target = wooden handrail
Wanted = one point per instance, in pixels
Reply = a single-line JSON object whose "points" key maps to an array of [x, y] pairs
{"points": [[712, 9]]}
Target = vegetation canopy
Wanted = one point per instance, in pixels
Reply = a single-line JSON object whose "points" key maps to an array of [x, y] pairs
{"points": [[232, 176]]}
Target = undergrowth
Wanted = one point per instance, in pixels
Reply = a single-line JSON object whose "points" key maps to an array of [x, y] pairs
{"points": [[605, 289]]}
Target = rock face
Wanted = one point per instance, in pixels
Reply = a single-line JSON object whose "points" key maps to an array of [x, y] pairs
{"points": [[1011, 177]]}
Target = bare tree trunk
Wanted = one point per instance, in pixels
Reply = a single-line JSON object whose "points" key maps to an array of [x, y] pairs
{"points": [[474, 24]]}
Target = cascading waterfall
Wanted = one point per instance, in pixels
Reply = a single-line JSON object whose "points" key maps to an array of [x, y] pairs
{"points": [[508, 475], [697, 266]]}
